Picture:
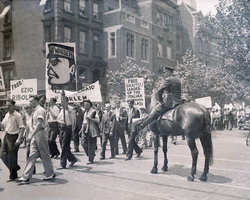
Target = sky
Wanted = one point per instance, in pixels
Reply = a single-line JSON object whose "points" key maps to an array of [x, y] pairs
{"points": [[207, 5]]}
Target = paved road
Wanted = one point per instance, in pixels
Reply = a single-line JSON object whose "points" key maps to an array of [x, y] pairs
{"points": [[115, 179]]}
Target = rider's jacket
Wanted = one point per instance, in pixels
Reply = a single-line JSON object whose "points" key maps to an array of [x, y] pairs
{"points": [[172, 86]]}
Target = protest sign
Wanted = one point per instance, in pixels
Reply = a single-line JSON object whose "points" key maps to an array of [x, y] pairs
{"points": [[134, 88], [20, 90], [205, 101], [92, 92]]}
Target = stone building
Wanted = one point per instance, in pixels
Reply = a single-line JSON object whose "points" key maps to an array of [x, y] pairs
{"points": [[27, 25], [199, 39]]}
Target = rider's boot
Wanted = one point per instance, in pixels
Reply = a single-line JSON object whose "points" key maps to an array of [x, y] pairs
{"points": [[154, 115]]}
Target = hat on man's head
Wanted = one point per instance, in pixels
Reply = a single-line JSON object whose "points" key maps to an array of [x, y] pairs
{"points": [[131, 101], [167, 68], [87, 100]]}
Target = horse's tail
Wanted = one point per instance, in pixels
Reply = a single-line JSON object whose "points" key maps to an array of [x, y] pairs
{"points": [[207, 135]]}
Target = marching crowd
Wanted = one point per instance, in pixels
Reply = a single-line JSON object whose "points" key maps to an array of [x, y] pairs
{"points": [[81, 123]]}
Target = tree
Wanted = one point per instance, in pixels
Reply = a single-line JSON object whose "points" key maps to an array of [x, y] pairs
{"points": [[231, 24], [199, 80], [128, 69]]}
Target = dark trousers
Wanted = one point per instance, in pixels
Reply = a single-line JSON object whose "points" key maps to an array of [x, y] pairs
{"points": [[132, 145], [54, 131], [9, 154], [65, 138], [119, 133], [105, 138], [76, 138], [89, 145]]}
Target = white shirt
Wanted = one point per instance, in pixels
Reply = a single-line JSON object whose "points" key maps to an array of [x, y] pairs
{"points": [[39, 113], [55, 110], [117, 113], [12, 123], [69, 116]]}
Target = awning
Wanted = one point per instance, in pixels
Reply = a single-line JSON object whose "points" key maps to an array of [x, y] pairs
{"points": [[4, 12], [42, 2]]}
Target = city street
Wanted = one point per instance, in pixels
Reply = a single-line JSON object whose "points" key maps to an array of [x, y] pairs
{"points": [[116, 179]]}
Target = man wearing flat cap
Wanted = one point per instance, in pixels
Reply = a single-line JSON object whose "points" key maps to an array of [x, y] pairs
{"points": [[90, 130], [172, 87]]}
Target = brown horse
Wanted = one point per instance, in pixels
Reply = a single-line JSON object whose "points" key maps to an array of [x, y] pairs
{"points": [[193, 120]]}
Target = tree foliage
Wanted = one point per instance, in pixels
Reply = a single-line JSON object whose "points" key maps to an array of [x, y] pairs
{"points": [[128, 69], [231, 24]]}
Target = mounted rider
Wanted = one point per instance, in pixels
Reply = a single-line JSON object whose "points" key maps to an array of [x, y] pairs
{"points": [[172, 87]]}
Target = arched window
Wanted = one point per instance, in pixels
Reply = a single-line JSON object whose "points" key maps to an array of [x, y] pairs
{"points": [[96, 75]]}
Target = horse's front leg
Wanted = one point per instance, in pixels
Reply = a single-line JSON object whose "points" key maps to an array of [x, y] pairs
{"points": [[156, 143], [165, 149], [194, 152]]}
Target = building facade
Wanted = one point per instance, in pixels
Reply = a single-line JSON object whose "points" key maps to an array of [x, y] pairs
{"points": [[27, 26], [199, 39], [143, 31]]}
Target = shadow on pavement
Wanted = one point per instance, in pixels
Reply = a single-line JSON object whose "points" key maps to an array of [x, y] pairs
{"points": [[36, 181], [103, 163], [180, 170], [1, 189]]}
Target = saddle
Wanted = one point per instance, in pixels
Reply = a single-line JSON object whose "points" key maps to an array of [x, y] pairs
{"points": [[172, 127]]}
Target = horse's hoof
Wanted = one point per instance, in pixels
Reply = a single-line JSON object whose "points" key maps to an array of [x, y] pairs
{"points": [[203, 178], [190, 178], [154, 171], [164, 168]]}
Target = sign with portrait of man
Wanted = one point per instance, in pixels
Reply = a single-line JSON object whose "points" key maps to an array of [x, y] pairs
{"points": [[60, 67]]}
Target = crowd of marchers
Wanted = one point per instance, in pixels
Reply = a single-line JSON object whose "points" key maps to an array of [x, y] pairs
{"points": [[228, 118], [40, 125]]}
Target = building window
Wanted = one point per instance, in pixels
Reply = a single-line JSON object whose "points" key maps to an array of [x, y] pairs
{"points": [[7, 46], [96, 46], [159, 47], [158, 17], [170, 50], [144, 49], [96, 11], [200, 43], [67, 34], [67, 5], [8, 76], [112, 44], [82, 42], [48, 5], [96, 75], [130, 18], [207, 47], [47, 33], [82, 7], [130, 46], [144, 24]]}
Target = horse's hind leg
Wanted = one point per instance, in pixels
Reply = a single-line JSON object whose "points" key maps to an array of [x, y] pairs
{"points": [[156, 143], [207, 158], [194, 152], [165, 149]]}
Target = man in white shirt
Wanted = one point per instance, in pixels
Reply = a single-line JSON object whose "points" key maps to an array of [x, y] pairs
{"points": [[53, 112], [66, 119], [39, 147], [14, 129]]}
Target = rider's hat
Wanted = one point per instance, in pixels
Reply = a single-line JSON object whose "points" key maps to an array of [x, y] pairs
{"points": [[167, 68]]}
